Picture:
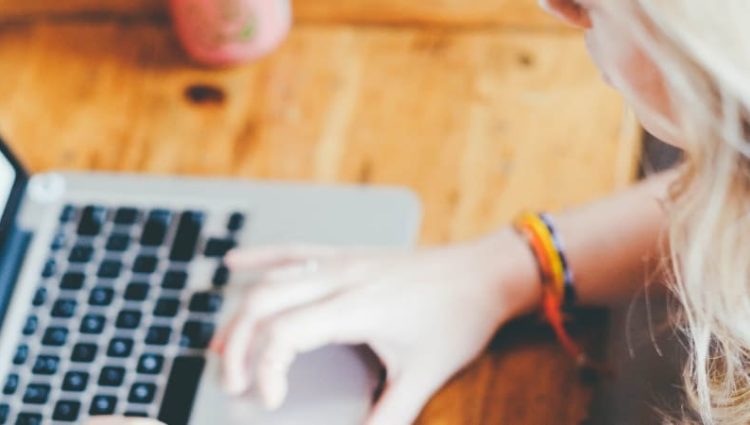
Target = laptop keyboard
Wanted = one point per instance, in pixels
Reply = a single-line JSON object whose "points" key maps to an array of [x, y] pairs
{"points": [[113, 327]]}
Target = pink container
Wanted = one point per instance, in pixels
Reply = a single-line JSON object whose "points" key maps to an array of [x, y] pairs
{"points": [[226, 32]]}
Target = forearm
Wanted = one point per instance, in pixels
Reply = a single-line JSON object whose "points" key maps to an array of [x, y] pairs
{"points": [[613, 246], [617, 244]]}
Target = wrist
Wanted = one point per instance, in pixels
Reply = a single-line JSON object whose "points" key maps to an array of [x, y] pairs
{"points": [[515, 274]]}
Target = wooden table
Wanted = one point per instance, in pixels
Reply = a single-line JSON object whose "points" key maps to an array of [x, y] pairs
{"points": [[482, 107]]}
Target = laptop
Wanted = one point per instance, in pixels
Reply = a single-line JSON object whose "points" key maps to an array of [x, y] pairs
{"points": [[112, 285]]}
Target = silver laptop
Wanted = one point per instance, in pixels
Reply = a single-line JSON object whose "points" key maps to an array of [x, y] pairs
{"points": [[111, 287]]}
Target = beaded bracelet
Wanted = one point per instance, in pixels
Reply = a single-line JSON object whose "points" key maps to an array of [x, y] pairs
{"points": [[555, 274]]}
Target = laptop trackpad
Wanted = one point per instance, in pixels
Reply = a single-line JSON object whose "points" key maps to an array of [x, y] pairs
{"points": [[331, 386]]}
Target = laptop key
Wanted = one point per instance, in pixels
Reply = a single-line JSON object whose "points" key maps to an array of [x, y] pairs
{"points": [[58, 241], [22, 353], [66, 411], [217, 248], [126, 216], [158, 335], [150, 364], [64, 308], [145, 264], [112, 376], [197, 334], [11, 384], [186, 237], [221, 276], [181, 389], [67, 213], [75, 381], [174, 279], [4, 413], [167, 307], [103, 405], [205, 302], [137, 291], [40, 297], [93, 324], [72, 281], [92, 220], [120, 347], [32, 322], [84, 352], [236, 221], [50, 268], [142, 393], [135, 414], [46, 365], [81, 254], [36, 394], [27, 418], [109, 269], [55, 336], [101, 296], [118, 242], [128, 319], [155, 229]]}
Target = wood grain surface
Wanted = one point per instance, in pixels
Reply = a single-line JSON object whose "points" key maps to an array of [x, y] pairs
{"points": [[479, 122], [512, 13]]}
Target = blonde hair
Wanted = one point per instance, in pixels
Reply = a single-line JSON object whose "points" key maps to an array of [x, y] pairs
{"points": [[702, 49]]}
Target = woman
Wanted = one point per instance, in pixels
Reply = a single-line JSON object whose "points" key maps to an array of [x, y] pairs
{"points": [[683, 65]]}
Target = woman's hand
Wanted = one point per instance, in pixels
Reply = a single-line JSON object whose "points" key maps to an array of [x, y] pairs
{"points": [[425, 313]]}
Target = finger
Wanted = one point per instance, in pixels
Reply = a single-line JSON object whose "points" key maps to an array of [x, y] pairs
{"points": [[219, 340], [263, 300], [299, 331], [275, 256], [273, 293], [403, 400], [236, 339]]}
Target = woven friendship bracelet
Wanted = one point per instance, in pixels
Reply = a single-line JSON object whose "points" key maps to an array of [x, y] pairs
{"points": [[555, 275]]}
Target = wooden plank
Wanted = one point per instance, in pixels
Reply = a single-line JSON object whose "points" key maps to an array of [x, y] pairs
{"points": [[522, 379], [516, 13], [478, 123], [21, 9]]}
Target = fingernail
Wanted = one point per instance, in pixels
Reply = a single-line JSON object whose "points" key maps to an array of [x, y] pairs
{"points": [[216, 346], [229, 257], [275, 398], [233, 385], [215, 354]]}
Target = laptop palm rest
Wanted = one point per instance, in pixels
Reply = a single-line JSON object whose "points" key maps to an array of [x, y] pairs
{"points": [[331, 386]]}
